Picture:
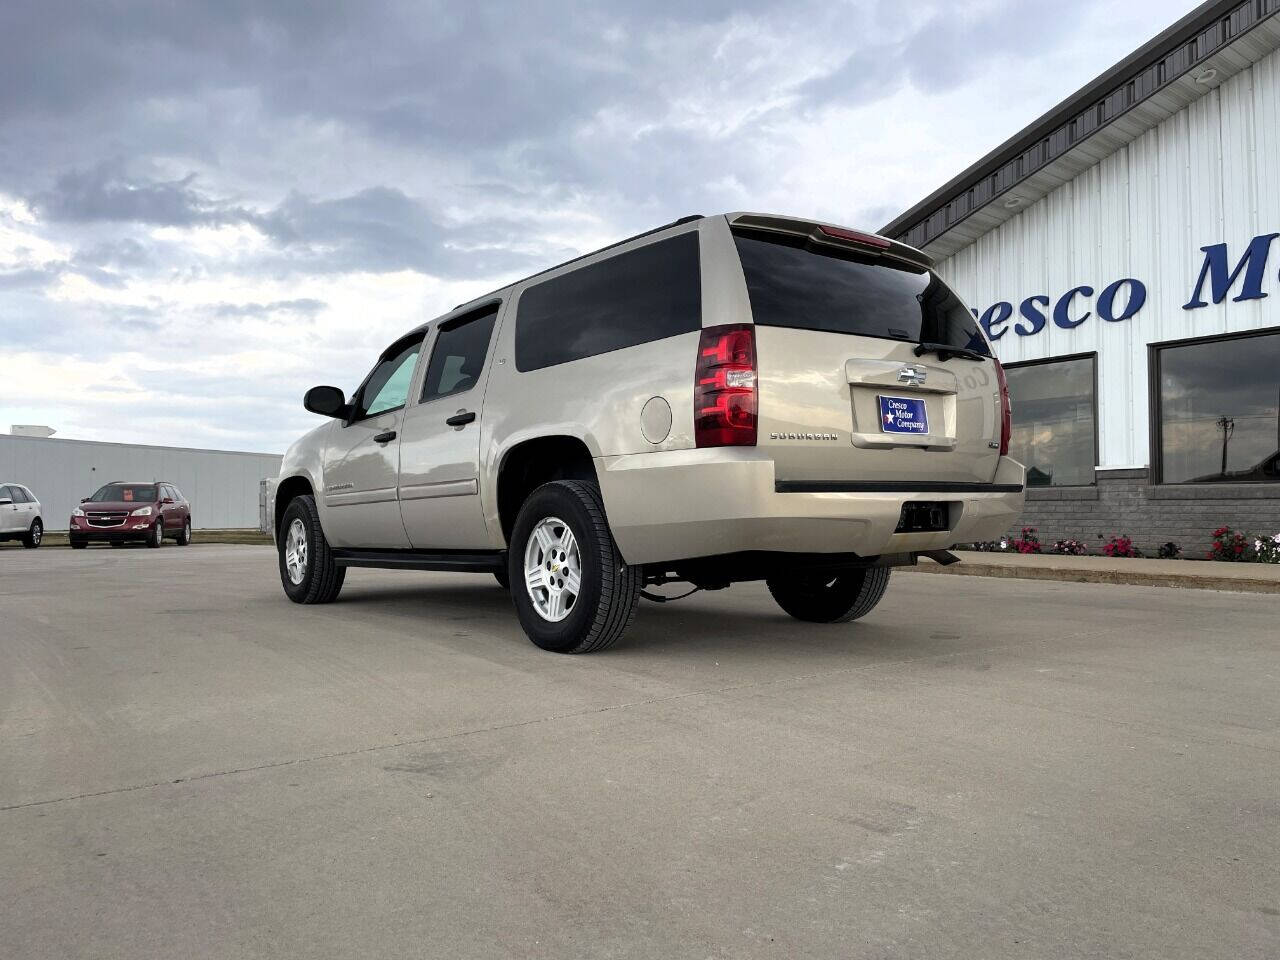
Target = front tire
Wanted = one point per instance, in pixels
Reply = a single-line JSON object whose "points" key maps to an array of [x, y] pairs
{"points": [[823, 598], [572, 590], [308, 572], [34, 536], [76, 543], [156, 537]]}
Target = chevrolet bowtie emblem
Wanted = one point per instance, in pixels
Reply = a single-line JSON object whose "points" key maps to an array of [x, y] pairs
{"points": [[910, 373]]}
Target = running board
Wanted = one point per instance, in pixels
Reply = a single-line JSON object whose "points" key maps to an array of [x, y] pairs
{"points": [[456, 561]]}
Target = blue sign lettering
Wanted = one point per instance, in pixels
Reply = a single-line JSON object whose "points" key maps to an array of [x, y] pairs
{"points": [[1107, 299], [995, 316], [1214, 268], [1216, 272], [1037, 317], [1061, 315]]}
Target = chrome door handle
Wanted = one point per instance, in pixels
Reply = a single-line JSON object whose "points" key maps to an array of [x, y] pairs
{"points": [[461, 418], [385, 437]]}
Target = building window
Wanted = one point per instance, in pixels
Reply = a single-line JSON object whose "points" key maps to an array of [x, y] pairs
{"points": [[1218, 410], [1054, 421]]}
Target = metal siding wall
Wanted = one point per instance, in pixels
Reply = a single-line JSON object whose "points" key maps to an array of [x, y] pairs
{"points": [[1205, 175], [222, 486]]}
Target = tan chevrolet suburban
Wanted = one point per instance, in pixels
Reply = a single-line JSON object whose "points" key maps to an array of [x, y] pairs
{"points": [[726, 398]]}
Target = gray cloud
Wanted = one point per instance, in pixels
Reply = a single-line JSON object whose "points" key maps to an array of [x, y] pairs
{"points": [[378, 229], [28, 278], [106, 193], [305, 307], [463, 142]]}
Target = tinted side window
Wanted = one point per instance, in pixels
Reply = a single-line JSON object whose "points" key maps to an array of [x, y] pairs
{"points": [[25, 494], [388, 385], [177, 494], [12, 493], [645, 294], [458, 355]]}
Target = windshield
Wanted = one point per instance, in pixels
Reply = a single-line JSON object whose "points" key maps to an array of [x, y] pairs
{"points": [[794, 284], [126, 493]]}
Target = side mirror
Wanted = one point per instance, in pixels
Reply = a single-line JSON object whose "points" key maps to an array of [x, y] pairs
{"points": [[84, 499], [326, 401]]}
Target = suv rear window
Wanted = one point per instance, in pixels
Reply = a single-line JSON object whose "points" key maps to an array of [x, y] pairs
{"points": [[631, 298], [793, 283]]}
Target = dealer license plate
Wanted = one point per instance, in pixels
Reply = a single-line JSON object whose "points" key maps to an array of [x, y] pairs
{"points": [[903, 415]]}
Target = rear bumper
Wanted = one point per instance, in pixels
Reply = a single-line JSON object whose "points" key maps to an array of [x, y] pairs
{"points": [[674, 505]]}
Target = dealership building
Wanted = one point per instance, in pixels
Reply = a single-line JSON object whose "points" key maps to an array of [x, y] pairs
{"points": [[1123, 254]]}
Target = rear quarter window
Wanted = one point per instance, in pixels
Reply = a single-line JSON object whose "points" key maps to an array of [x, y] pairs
{"points": [[646, 294]]}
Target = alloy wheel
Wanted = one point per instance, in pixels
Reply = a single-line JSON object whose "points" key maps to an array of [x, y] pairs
{"points": [[552, 569], [295, 551]]}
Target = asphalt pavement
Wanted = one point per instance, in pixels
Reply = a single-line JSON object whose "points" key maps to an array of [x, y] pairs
{"points": [[192, 766]]}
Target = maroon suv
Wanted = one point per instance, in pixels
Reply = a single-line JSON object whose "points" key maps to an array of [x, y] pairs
{"points": [[121, 512]]}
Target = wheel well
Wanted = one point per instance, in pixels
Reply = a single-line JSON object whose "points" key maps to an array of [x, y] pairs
{"points": [[529, 465], [286, 492]]}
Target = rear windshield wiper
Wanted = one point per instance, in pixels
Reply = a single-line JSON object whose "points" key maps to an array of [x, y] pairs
{"points": [[946, 351]]}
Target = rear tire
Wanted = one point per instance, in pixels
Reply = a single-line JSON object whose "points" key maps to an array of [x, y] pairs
{"points": [[830, 599], [184, 537], [561, 537], [34, 536], [308, 572]]}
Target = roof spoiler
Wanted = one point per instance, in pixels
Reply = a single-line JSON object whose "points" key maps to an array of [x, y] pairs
{"points": [[830, 235]]}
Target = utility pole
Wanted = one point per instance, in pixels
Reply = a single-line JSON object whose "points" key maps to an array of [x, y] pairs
{"points": [[1228, 426]]}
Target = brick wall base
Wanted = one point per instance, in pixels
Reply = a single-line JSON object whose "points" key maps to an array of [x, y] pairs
{"points": [[1124, 502]]}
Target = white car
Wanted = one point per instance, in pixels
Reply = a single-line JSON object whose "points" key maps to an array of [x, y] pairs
{"points": [[20, 515]]}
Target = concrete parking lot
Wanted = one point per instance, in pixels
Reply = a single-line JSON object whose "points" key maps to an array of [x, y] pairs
{"points": [[192, 766]]}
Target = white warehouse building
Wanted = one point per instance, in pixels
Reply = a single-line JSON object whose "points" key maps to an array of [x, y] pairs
{"points": [[1123, 253], [221, 485]]}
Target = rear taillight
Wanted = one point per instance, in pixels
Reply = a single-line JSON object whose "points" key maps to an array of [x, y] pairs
{"points": [[724, 387], [1006, 410]]}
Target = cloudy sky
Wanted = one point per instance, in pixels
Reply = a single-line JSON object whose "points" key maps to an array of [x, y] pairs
{"points": [[206, 208]]}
